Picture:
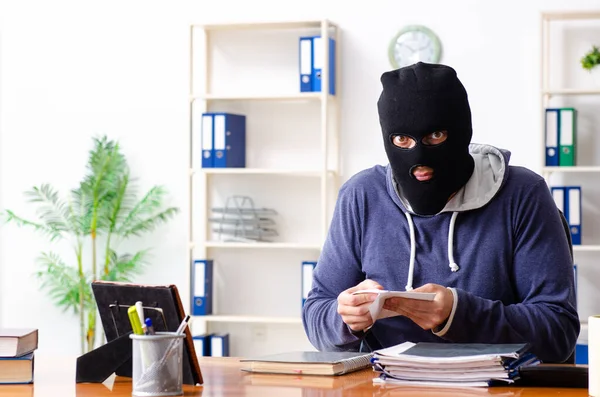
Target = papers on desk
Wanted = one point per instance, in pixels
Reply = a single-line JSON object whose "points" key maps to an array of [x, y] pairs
{"points": [[451, 364], [376, 309]]}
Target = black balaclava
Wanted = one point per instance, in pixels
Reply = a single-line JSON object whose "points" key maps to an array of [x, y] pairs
{"points": [[416, 101]]}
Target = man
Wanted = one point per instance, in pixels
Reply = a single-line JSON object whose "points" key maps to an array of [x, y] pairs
{"points": [[448, 217]]}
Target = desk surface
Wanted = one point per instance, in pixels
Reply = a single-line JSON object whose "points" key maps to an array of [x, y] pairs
{"points": [[223, 377]]}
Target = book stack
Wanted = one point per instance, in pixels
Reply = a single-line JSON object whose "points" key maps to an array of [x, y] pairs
{"points": [[451, 364], [17, 348]]}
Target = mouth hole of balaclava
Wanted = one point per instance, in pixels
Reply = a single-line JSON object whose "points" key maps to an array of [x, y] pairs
{"points": [[414, 167]]}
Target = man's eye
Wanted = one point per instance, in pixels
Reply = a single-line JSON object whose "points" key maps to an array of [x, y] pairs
{"points": [[435, 138], [403, 141]]}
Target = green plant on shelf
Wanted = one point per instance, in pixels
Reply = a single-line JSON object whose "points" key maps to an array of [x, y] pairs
{"points": [[100, 213], [591, 59]]}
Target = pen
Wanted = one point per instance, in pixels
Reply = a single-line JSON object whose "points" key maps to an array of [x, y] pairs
{"points": [[149, 327], [183, 324], [140, 311], [136, 326]]}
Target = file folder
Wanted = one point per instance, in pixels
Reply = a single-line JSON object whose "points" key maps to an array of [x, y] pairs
{"points": [[581, 353], [314, 64], [575, 283], [568, 200], [307, 276], [306, 64], [207, 141], [567, 137], [573, 212], [202, 274], [319, 63], [229, 140], [219, 345], [552, 137], [558, 193], [202, 344]]}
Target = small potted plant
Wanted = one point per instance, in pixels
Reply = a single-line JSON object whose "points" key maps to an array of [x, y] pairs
{"points": [[590, 62]]}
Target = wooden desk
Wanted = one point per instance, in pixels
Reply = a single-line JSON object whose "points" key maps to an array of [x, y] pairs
{"points": [[223, 377]]}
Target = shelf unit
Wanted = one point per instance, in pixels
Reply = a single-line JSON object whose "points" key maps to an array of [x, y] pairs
{"points": [[547, 93], [325, 172]]}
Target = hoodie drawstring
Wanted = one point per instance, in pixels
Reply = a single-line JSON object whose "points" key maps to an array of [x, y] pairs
{"points": [[411, 266], [453, 266], [413, 249]]}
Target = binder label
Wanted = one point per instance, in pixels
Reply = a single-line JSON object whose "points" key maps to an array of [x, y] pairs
{"points": [[574, 208], [200, 279], [318, 59], [566, 128], [305, 59], [219, 132]]}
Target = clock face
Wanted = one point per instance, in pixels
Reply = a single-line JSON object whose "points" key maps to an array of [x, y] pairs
{"points": [[413, 44]]}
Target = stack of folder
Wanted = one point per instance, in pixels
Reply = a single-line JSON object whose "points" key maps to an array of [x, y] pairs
{"points": [[223, 138], [561, 134], [451, 364]]}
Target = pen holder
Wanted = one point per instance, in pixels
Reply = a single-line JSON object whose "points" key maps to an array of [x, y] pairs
{"points": [[157, 364]]}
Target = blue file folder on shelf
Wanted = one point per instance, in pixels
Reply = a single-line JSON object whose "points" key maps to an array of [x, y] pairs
{"points": [[552, 137], [568, 200], [306, 64], [202, 345], [219, 345], [228, 139], [307, 276], [202, 274], [206, 136], [312, 62]]}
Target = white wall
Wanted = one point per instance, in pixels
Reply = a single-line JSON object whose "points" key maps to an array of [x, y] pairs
{"points": [[72, 69]]}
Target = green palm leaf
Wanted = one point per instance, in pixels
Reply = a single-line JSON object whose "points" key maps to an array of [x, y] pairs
{"points": [[146, 214], [81, 204], [124, 267], [53, 234], [61, 282], [106, 166], [53, 211]]}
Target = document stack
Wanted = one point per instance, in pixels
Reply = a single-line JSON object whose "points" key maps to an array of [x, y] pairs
{"points": [[240, 221], [451, 364]]}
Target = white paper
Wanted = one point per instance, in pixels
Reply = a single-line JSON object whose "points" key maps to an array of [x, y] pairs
{"points": [[594, 356], [376, 309]]}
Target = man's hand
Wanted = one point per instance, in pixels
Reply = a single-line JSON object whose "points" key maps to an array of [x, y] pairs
{"points": [[354, 309], [427, 315]]}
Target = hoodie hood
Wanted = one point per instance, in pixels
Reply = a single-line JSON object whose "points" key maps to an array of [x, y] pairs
{"points": [[489, 175], [491, 170]]}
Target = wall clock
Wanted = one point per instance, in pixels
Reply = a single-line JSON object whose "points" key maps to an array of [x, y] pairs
{"points": [[412, 44]]}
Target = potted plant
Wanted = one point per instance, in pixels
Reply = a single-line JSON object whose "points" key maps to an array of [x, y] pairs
{"points": [[102, 211], [590, 61]]}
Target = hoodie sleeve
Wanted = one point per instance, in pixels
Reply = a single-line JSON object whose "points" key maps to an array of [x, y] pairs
{"points": [[338, 269], [543, 283]]}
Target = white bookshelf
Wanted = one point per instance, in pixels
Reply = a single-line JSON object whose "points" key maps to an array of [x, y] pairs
{"points": [[570, 91], [319, 171], [249, 319], [305, 96], [548, 93], [262, 171], [257, 245]]}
